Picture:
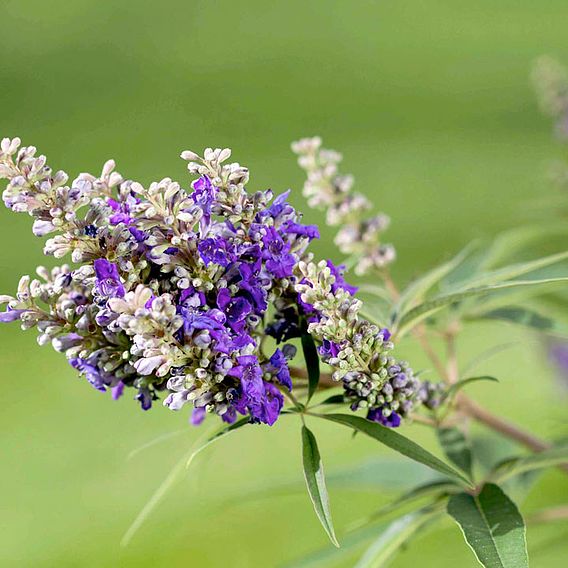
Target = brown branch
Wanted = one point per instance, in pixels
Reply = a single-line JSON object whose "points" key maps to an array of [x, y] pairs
{"points": [[470, 408], [547, 515], [477, 412]]}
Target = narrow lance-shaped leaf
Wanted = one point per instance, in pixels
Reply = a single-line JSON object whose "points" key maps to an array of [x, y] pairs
{"points": [[389, 542], [434, 489], [530, 318], [464, 382], [492, 526], [522, 464], [312, 363], [456, 447], [315, 481], [334, 399], [418, 288], [430, 307], [174, 476], [510, 242], [398, 442], [516, 270]]}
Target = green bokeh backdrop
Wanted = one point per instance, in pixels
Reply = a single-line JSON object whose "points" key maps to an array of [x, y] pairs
{"points": [[431, 105]]}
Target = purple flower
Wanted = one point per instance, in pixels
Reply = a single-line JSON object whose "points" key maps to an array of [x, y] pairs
{"points": [[309, 231], [340, 282], [235, 309], [98, 378], [278, 367], [139, 236], [108, 280], [251, 255], [217, 250], [279, 207], [198, 416], [251, 286], [385, 333], [328, 349], [279, 261], [262, 400], [117, 390], [122, 210], [285, 327], [271, 405], [204, 193], [145, 397], [376, 415], [195, 320], [190, 298], [250, 374], [11, 315]]}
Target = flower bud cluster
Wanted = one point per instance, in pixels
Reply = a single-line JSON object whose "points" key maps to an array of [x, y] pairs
{"points": [[326, 188], [358, 351]]}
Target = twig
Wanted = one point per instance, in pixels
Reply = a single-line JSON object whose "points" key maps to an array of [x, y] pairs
{"points": [[548, 515]]}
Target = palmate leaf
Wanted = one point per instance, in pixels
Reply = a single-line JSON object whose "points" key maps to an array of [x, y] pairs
{"points": [[518, 465], [428, 308], [312, 363], [315, 481], [492, 526], [456, 447], [397, 442]]}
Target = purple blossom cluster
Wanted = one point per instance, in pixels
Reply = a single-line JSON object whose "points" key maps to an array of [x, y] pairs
{"points": [[176, 291]]}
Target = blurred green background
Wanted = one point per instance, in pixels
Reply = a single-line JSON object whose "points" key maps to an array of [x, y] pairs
{"points": [[431, 105]]}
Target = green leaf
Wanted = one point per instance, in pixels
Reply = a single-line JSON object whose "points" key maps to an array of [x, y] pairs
{"points": [[510, 242], [516, 270], [315, 481], [417, 289], [456, 447], [312, 363], [530, 318], [174, 475], [492, 526], [219, 434], [430, 307], [487, 354], [389, 542], [464, 382], [330, 556], [515, 466], [334, 399], [397, 442], [436, 489]]}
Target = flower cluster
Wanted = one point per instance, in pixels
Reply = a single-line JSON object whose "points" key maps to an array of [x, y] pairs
{"points": [[326, 188], [174, 291], [550, 79], [358, 351]]}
